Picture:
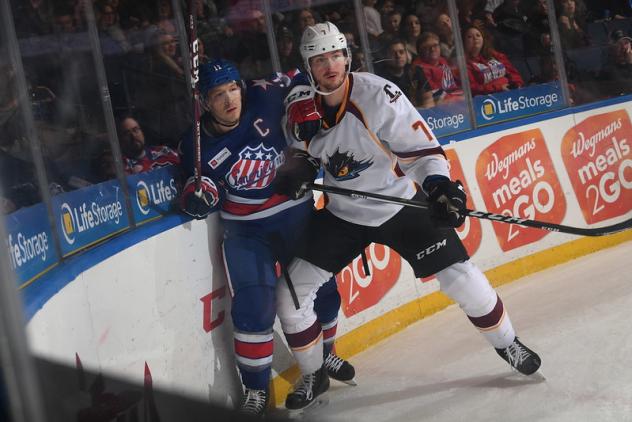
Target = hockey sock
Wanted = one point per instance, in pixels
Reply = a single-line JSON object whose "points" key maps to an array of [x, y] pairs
{"points": [[464, 283], [253, 352], [329, 336], [307, 347], [496, 326]]}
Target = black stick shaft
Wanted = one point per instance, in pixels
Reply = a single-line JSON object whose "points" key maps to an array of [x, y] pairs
{"points": [[195, 62], [597, 231]]}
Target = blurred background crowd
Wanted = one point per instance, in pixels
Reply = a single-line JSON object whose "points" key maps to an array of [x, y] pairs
{"points": [[418, 44]]}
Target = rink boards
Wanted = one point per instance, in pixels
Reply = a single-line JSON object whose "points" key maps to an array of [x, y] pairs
{"points": [[156, 299]]}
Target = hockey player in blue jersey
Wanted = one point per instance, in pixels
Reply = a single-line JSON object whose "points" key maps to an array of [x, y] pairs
{"points": [[242, 145]]}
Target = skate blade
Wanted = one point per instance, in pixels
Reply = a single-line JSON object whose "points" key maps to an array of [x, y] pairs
{"points": [[311, 410], [352, 382], [537, 376]]}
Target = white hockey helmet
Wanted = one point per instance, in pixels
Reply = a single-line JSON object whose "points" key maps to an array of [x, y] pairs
{"points": [[322, 38]]}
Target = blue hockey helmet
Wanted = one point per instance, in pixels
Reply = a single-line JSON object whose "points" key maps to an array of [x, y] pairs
{"points": [[217, 72]]}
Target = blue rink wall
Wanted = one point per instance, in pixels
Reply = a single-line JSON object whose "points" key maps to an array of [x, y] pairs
{"points": [[156, 296]]}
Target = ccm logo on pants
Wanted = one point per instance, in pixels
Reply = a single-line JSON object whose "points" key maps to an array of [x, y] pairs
{"points": [[432, 248]]}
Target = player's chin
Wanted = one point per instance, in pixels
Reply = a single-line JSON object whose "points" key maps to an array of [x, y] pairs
{"points": [[332, 85], [231, 114]]}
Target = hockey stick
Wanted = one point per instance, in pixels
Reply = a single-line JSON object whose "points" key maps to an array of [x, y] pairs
{"points": [[597, 231], [195, 76]]}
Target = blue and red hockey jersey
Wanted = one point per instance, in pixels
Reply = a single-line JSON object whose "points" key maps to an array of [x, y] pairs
{"points": [[243, 162]]}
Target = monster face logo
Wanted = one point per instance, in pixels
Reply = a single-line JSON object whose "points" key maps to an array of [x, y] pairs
{"points": [[343, 166]]}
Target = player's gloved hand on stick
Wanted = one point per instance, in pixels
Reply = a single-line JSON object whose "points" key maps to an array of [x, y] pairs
{"points": [[299, 168], [199, 205], [304, 119], [446, 199]]}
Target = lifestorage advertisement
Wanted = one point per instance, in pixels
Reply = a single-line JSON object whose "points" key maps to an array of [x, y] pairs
{"points": [[172, 298]]}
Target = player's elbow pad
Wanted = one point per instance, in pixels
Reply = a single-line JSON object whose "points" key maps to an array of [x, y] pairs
{"points": [[199, 203]]}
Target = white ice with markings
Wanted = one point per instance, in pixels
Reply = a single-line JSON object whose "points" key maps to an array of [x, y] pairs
{"points": [[576, 316]]}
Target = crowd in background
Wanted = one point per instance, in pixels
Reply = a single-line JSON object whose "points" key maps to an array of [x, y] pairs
{"points": [[507, 44]]}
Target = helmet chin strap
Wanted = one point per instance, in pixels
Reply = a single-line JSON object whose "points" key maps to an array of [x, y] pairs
{"points": [[312, 82]]}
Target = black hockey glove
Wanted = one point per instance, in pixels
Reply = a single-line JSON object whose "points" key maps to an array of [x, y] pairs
{"points": [[199, 207], [446, 199], [299, 168]]}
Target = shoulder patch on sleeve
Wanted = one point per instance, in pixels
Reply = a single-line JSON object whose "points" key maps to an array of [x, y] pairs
{"points": [[392, 91]]}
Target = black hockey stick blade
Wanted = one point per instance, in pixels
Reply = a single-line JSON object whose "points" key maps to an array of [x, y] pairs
{"points": [[596, 231]]}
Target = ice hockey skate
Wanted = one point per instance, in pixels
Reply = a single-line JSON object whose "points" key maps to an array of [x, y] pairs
{"points": [[307, 391], [520, 357], [255, 402], [340, 370]]}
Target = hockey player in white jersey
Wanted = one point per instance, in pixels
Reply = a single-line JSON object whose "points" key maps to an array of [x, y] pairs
{"points": [[368, 136]]}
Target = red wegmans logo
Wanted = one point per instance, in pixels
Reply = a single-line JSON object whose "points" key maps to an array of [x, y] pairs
{"points": [[517, 179], [596, 154]]}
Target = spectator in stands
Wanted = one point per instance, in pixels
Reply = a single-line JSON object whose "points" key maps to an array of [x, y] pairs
{"points": [[103, 165], [428, 10], [350, 36], [538, 16], [17, 171], [411, 31], [135, 22], [333, 16], [65, 22], [391, 25], [410, 79], [112, 37], [288, 53], [386, 8], [32, 18], [372, 18], [161, 91], [257, 62], [164, 57], [488, 70], [437, 70], [488, 11], [466, 12], [443, 26], [536, 43], [304, 19], [617, 73], [358, 61], [570, 23], [166, 21], [511, 18], [138, 157], [202, 56]]}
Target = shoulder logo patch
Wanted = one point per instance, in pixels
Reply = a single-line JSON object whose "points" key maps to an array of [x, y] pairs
{"points": [[393, 96]]}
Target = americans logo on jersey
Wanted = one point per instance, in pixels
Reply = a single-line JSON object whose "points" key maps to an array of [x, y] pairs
{"points": [[255, 168]]}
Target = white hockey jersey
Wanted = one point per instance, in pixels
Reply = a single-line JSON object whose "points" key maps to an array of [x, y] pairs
{"points": [[379, 144]]}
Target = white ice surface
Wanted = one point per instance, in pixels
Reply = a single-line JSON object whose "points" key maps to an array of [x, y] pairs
{"points": [[577, 316]]}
